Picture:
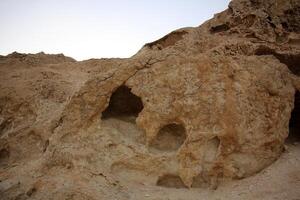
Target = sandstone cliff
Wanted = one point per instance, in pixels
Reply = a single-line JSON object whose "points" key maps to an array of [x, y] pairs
{"points": [[196, 108]]}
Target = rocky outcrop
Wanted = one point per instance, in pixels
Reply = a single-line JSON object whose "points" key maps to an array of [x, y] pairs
{"points": [[200, 106]]}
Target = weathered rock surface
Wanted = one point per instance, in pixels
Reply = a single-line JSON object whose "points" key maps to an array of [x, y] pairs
{"points": [[196, 108]]}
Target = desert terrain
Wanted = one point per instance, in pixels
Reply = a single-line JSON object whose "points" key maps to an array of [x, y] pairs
{"points": [[207, 112]]}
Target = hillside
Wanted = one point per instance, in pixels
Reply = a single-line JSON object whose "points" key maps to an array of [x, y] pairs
{"points": [[208, 112]]}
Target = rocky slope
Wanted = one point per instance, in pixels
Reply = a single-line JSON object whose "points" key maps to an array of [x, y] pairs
{"points": [[198, 108]]}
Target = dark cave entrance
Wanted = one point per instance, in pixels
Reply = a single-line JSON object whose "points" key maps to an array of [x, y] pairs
{"points": [[123, 104], [294, 124], [290, 60], [170, 181]]}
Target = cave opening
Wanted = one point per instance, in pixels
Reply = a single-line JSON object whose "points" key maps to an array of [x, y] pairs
{"points": [[123, 104], [170, 181], [169, 138], [4, 156], [290, 60], [294, 124], [168, 40]]}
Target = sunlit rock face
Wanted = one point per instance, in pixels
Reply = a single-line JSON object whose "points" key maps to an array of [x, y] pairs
{"points": [[199, 106]]}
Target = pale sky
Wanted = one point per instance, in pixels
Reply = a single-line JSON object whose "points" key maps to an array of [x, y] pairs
{"points": [[86, 29]]}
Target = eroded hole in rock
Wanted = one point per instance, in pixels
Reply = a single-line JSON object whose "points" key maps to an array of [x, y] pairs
{"points": [[290, 60], [168, 40], [292, 20], [294, 125], [4, 156], [212, 147], [120, 116], [123, 104], [219, 28], [170, 181], [170, 137], [5, 125], [200, 181]]}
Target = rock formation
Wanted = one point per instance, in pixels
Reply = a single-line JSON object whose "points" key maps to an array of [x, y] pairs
{"points": [[195, 108]]}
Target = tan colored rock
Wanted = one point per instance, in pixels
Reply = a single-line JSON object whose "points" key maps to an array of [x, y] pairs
{"points": [[195, 108]]}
